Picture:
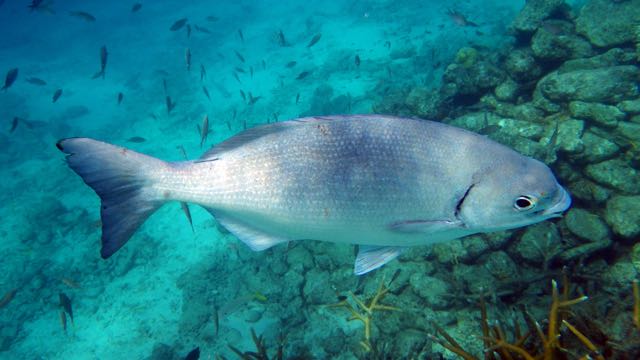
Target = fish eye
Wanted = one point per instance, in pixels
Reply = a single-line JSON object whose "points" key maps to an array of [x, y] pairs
{"points": [[524, 203]]}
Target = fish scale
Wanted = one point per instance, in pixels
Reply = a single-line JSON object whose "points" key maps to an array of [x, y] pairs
{"points": [[379, 181]]}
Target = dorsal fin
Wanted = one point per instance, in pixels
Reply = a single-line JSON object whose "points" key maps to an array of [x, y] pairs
{"points": [[259, 131]]}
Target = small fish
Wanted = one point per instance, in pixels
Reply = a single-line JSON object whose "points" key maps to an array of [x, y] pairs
{"points": [[264, 65], [387, 44], [202, 29], [193, 354], [282, 41], [36, 81], [357, 60], [63, 321], [303, 75], [178, 24], [83, 15], [239, 56], [188, 31], [56, 95], [120, 97], [6, 299], [314, 40], [206, 92], [297, 98], [235, 75], [40, 5], [103, 62], [260, 296], [183, 151], [136, 7], [70, 283], [251, 71], [241, 35], [136, 139], [216, 319], [253, 100], [203, 72], [394, 276], [187, 58], [460, 19], [244, 97], [212, 18], [170, 104], [164, 85], [185, 209], [65, 303], [240, 70], [204, 130], [11, 77], [14, 124], [290, 64]]}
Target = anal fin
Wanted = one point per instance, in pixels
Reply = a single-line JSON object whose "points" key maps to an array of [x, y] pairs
{"points": [[372, 257], [256, 239]]}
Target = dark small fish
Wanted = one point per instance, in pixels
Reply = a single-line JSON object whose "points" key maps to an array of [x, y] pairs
{"points": [[212, 18], [120, 97], [36, 81], [204, 131], [193, 354], [291, 64], [244, 97], [178, 24], [203, 72], [253, 100], [264, 65], [206, 92], [235, 75], [164, 85], [303, 75], [342, 297], [202, 29], [297, 98], [185, 209], [136, 139], [11, 77], [387, 44], [314, 40], [136, 7], [357, 61], [235, 113], [32, 124], [170, 104], [394, 277], [183, 151], [490, 129], [282, 41], [103, 62], [63, 321], [240, 70], [251, 71], [56, 95], [216, 319], [187, 58], [6, 299], [188, 31], [83, 15], [65, 303], [14, 124], [40, 5], [240, 57], [241, 35]]}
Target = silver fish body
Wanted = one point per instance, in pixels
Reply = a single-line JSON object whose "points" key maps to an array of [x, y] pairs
{"points": [[379, 181]]}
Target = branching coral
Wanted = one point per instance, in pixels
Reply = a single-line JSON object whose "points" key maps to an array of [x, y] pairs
{"points": [[364, 312]]}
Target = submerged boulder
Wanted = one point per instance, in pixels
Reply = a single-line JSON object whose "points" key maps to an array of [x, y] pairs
{"points": [[534, 12], [604, 85], [555, 40], [623, 214], [609, 23]]}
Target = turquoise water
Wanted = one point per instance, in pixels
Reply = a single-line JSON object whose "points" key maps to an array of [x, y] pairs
{"points": [[158, 297]]}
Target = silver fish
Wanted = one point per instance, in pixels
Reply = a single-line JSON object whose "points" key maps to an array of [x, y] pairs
{"points": [[383, 182]]}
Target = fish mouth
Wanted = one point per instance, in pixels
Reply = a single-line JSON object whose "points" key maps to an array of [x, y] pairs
{"points": [[561, 204]]}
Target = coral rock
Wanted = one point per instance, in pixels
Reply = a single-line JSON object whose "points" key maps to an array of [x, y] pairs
{"points": [[623, 214], [604, 115], [609, 23]]}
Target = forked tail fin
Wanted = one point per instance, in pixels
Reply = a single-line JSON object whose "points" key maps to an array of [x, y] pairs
{"points": [[122, 179]]}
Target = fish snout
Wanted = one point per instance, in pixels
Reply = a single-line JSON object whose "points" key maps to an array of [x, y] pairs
{"points": [[561, 202]]}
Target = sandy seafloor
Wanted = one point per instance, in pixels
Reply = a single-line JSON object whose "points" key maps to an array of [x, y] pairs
{"points": [[127, 304]]}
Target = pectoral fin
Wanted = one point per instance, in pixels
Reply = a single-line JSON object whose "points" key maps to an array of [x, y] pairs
{"points": [[372, 257], [425, 226]]}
